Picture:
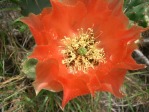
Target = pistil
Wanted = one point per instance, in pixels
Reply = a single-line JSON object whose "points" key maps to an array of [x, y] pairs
{"points": [[82, 51]]}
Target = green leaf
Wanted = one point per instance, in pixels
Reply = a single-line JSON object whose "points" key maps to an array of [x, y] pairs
{"points": [[139, 14], [129, 4], [29, 66], [33, 6]]}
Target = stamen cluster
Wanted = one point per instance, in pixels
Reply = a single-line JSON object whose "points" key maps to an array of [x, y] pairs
{"points": [[81, 52]]}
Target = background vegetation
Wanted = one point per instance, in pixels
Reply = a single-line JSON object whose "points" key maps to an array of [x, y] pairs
{"points": [[16, 42]]}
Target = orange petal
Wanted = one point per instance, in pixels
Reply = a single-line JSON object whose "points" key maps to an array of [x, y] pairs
{"points": [[72, 2], [128, 62], [43, 52], [132, 34], [72, 88], [63, 20], [111, 82], [73, 84], [115, 78], [116, 6], [37, 28], [46, 76]]}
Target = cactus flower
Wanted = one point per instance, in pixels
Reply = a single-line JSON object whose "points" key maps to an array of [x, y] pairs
{"points": [[82, 47]]}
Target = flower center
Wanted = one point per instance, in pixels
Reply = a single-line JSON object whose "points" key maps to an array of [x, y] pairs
{"points": [[81, 52]]}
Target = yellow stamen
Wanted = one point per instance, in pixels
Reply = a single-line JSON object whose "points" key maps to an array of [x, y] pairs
{"points": [[81, 51]]}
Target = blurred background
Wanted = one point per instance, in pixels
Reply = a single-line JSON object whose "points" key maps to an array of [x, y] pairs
{"points": [[17, 72]]}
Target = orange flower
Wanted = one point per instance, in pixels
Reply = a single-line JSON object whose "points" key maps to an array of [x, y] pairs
{"points": [[82, 46]]}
